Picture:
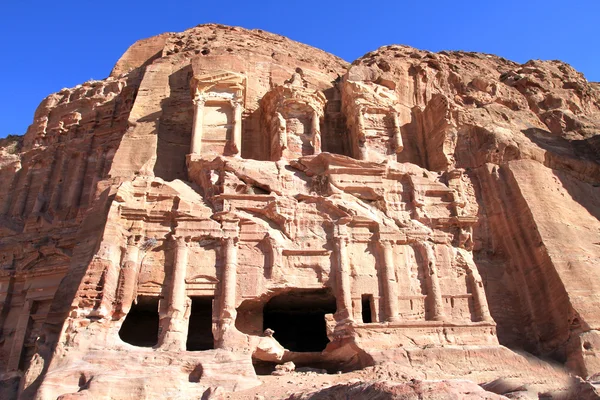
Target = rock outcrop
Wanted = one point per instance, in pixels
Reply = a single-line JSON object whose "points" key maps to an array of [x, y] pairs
{"points": [[230, 200]]}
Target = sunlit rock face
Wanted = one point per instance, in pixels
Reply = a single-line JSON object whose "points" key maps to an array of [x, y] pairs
{"points": [[229, 200]]}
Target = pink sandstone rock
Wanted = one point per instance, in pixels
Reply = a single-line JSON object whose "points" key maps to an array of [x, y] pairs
{"points": [[229, 200], [415, 390]]}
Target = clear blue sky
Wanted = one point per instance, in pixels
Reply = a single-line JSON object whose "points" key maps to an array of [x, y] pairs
{"points": [[48, 45]]}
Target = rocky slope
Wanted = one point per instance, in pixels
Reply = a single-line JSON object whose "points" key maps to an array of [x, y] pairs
{"points": [[414, 215]]}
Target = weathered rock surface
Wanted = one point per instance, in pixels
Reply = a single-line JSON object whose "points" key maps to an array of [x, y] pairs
{"points": [[230, 200], [434, 390]]}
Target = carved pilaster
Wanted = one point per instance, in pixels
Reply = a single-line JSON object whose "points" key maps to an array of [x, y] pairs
{"points": [[177, 288], [482, 311], [19, 337], [57, 181], [129, 276], [360, 136], [196, 147], [41, 199], [316, 133], [434, 292], [98, 173], [389, 282], [342, 268], [237, 127], [21, 201], [399, 145], [227, 335], [78, 181], [229, 279], [112, 255]]}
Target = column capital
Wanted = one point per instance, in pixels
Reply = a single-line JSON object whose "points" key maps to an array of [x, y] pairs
{"points": [[199, 100], [180, 240], [341, 240], [236, 102], [385, 241], [228, 238], [341, 229]]}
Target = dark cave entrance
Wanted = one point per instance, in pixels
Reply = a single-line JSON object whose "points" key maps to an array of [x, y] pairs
{"points": [[140, 327], [298, 319], [200, 335]]}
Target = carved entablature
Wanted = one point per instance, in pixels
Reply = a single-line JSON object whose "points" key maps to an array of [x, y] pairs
{"points": [[372, 120], [292, 115], [219, 99], [201, 285]]}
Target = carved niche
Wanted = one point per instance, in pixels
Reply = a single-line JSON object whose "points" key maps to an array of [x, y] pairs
{"points": [[219, 98], [291, 116], [372, 120]]}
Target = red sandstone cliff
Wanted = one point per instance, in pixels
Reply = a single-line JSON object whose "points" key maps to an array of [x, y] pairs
{"points": [[436, 214]]}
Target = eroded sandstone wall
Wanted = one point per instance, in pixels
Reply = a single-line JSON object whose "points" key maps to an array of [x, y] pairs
{"points": [[483, 113], [50, 187]]}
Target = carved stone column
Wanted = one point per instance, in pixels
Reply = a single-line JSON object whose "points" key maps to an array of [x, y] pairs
{"points": [[111, 253], [196, 147], [316, 133], [57, 181], [98, 173], [482, 311], [389, 282], [19, 337], [229, 279], [237, 127], [342, 268], [360, 136], [79, 180], [41, 199], [175, 336], [177, 289], [481, 306], [21, 201], [399, 145], [129, 276], [227, 336], [434, 293]]}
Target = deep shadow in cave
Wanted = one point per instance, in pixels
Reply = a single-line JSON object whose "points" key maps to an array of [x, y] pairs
{"points": [[140, 327], [298, 319]]}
